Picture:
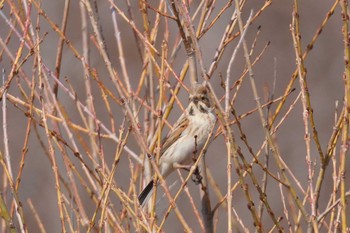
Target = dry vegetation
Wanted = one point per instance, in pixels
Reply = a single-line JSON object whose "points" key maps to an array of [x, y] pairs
{"points": [[89, 88]]}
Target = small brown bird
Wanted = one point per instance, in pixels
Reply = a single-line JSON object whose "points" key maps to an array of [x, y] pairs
{"points": [[187, 137]]}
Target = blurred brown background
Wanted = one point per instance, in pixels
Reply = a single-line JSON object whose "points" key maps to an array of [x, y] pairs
{"points": [[325, 68]]}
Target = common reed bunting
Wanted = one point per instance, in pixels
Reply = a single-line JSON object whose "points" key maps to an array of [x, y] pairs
{"points": [[187, 137]]}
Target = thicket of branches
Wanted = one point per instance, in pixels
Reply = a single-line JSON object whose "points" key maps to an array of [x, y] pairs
{"points": [[90, 88]]}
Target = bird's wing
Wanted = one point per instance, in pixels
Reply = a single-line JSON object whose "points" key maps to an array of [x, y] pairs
{"points": [[175, 134]]}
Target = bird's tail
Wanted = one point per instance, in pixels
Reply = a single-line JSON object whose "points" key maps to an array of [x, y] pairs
{"points": [[145, 192]]}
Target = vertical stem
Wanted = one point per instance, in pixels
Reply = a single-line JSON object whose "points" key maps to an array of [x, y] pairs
{"points": [[345, 130], [307, 114], [60, 44], [229, 193]]}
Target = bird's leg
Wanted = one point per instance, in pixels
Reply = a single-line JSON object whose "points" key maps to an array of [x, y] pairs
{"points": [[181, 166], [197, 179]]}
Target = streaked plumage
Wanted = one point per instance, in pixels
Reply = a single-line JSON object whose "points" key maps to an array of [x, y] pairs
{"points": [[187, 137]]}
